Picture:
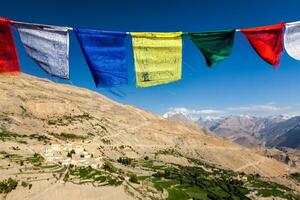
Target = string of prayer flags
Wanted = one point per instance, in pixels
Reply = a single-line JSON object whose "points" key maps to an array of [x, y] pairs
{"points": [[157, 57], [105, 53], [266, 41], [215, 46], [8, 54], [292, 40], [48, 47]]}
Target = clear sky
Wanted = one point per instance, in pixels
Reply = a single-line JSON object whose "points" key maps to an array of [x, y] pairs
{"points": [[243, 83]]}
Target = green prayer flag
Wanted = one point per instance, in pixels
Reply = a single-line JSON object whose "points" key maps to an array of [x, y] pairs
{"points": [[215, 46]]}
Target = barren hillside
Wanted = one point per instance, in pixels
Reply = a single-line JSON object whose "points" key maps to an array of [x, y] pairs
{"points": [[45, 125]]}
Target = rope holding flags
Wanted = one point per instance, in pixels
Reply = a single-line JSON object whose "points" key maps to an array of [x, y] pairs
{"points": [[157, 56]]}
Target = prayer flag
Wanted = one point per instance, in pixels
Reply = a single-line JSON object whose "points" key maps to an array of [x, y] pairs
{"points": [[266, 41], [157, 57], [48, 47], [105, 53], [215, 46], [8, 53], [292, 40]]}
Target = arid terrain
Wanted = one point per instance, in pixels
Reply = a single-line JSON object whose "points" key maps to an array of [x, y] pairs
{"points": [[65, 142]]}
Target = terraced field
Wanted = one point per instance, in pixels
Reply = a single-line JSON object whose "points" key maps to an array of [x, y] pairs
{"points": [[156, 180]]}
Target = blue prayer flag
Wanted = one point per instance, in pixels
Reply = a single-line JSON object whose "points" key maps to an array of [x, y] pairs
{"points": [[105, 53]]}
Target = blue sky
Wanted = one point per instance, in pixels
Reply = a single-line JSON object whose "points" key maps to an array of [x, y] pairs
{"points": [[242, 84]]}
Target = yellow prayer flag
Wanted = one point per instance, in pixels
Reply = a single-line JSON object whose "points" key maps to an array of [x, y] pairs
{"points": [[157, 57]]}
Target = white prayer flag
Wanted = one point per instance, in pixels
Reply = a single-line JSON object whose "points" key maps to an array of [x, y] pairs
{"points": [[48, 47], [292, 40]]}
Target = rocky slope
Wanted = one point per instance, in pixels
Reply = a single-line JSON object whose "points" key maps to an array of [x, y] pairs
{"points": [[52, 132], [288, 156], [283, 134]]}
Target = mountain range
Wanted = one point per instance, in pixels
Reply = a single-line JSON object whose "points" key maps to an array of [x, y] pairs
{"points": [[64, 142], [251, 131]]}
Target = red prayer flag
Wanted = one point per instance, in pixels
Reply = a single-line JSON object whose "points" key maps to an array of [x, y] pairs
{"points": [[8, 54], [266, 41]]}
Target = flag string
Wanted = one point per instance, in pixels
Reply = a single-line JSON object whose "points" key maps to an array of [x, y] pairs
{"points": [[157, 55], [127, 33], [39, 25]]}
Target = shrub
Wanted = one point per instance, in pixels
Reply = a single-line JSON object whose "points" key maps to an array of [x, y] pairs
{"points": [[105, 141], [125, 160], [108, 166], [40, 138], [68, 136], [133, 178], [66, 178], [70, 153], [296, 176], [24, 184], [8, 185]]}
